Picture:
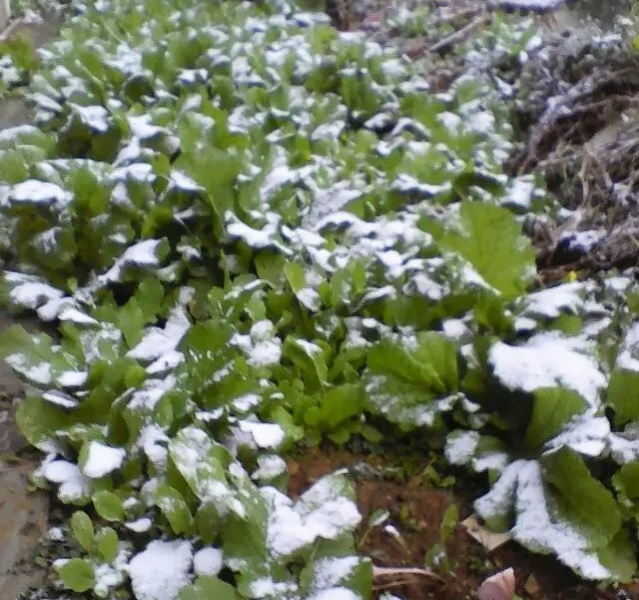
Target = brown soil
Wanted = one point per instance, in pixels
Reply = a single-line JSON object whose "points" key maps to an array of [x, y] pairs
{"points": [[416, 511]]}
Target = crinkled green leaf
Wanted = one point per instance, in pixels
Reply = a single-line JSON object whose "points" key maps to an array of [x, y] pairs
{"points": [[552, 410], [491, 240], [411, 382], [587, 502], [623, 395], [39, 420]]}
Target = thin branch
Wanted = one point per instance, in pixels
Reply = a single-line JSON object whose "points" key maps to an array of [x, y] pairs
{"points": [[461, 35], [393, 571]]}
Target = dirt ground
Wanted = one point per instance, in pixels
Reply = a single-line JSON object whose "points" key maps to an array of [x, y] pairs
{"points": [[416, 512], [24, 514]]}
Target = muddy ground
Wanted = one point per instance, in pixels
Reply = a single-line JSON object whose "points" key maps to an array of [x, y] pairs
{"points": [[24, 513], [416, 509]]}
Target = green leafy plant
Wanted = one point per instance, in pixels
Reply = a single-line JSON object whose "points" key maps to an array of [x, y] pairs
{"points": [[296, 242]]}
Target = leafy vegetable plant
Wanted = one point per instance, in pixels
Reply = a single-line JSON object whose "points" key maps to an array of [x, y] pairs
{"points": [[251, 230]]}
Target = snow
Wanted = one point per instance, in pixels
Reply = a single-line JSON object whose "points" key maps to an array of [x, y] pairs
{"points": [[73, 484], [332, 571], [166, 362], [265, 587], [552, 302], [76, 316], [460, 446], [29, 292], [158, 342], [95, 117], [320, 512], [582, 241], [267, 237], [107, 576], [72, 379], [454, 329], [154, 442], [629, 349], [548, 360], [521, 193], [190, 453], [260, 346], [140, 525], [246, 402], [39, 374], [161, 570], [102, 460], [34, 191], [10, 134], [585, 434], [268, 467], [265, 435], [408, 184], [142, 254], [60, 399], [539, 5], [536, 526], [336, 593], [55, 534], [142, 128], [208, 561], [151, 392]]}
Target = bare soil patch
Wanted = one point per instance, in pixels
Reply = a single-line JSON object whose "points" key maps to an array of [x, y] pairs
{"points": [[416, 512]]}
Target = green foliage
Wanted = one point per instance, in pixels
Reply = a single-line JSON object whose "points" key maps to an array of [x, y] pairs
{"points": [[622, 395], [107, 544], [410, 383], [488, 238], [242, 249], [108, 505], [77, 574], [82, 528]]}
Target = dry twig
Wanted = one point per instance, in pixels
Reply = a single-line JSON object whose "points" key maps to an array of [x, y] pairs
{"points": [[461, 35]]}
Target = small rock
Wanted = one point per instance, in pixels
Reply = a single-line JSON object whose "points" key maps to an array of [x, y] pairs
{"points": [[532, 586]]}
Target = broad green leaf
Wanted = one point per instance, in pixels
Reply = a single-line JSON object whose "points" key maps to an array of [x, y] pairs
{"points": [[552, 410], [491, 240], [582, 498], [108, 505], [212, 588], [626, 483], [411, 383], [620, 557], [623, 395], [329, 568], [82, 528], [218, 182], [310, 360], [78, 575], [174, 508], [559, 508], [202, 463], [304, 291], [336, 406], [34, 356], [39, 420], [107, 543]]}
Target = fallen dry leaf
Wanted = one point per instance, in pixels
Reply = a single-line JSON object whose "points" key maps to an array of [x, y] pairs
{"points": [[488, 539], [500, 586]]}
